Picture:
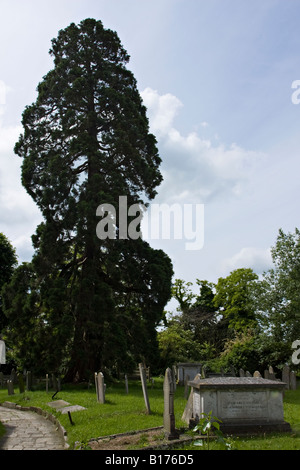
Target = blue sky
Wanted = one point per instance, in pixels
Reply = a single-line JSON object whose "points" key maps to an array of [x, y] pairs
{"points": [[216, 77]]}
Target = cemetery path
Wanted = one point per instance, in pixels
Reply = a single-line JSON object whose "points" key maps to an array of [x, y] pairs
{"points": [[27, 430]]}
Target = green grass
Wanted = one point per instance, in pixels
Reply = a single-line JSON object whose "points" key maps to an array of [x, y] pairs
{"points": [[122, 413]]}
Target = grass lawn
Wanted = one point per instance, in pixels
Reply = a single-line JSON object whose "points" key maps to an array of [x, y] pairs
{"points": [[121, 413]]}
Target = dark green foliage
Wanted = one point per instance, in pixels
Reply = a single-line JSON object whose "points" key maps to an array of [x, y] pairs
{"points": [[8, 262], [86, 142]]}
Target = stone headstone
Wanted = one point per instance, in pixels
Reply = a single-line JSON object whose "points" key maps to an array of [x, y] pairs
{"points": [[248, 374], [100, 387], [169, 417], [10, 387], [286, 376], [126, 384], [47, 383], [21, 383], [28, 380], [257, 374], [144, 387], [271, 373], [1, 379], [293, 380], [242, 373]]}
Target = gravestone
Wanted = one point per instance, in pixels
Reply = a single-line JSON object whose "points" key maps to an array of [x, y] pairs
{"points": [[169, 417], [100, 387], [144, 387], [271, 375], [21, 383], [242, 373], [286, 376], [28, 381], [126, 384], [47, 383], [257, 374], [243, 404], [187, 368], [10, 387], [1, 379], [293, 380]]}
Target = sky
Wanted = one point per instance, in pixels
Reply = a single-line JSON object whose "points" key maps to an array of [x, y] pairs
{"points": [[217, 79]]}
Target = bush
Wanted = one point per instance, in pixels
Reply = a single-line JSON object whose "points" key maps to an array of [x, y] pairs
{"points": [[241, 353]]}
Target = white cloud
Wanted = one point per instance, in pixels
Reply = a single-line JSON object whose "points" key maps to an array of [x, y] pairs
{"points": [[195, 168], [161, 109], [257, 259], [19, 215]]}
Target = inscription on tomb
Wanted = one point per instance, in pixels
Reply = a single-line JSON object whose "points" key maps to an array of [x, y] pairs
{"points": [[240, 405]]}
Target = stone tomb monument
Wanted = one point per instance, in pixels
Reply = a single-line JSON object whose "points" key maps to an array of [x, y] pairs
{"points": [[243, 404]]}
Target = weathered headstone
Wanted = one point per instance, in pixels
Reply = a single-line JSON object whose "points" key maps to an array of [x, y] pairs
{"points": [[242, 373], [1, 379], [257, 374], [21, 383], [47, 383], [271, 373], [10, 387], [286, 376], [144, 387], [28, 380], [126, 384], [293, 380], [169, 416], [100, 387]]}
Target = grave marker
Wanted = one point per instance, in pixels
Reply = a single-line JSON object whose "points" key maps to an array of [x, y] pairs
{"points": [[21, 383], [100, 387], [10, 387], [169, 417], [286, 376], [28, 380], [293, 380], [144, 387]]}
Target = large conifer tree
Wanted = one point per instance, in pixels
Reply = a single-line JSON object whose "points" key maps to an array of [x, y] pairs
{"points": [[86, 142]]}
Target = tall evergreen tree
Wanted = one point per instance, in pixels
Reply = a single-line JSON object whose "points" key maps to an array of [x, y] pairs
{"points": [[8, 262], [86, 142]]}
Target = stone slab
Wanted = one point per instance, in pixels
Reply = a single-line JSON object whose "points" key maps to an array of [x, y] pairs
{"points": [[57, 404], [71, 409], [235, 382]]}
